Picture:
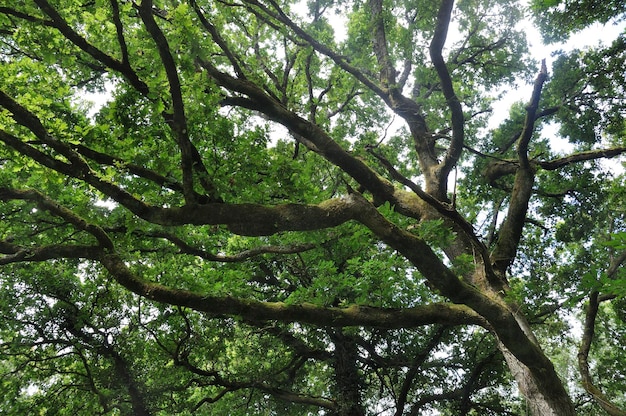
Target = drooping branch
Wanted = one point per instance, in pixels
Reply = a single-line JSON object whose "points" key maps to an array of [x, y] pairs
{"points": [[243, 219]]}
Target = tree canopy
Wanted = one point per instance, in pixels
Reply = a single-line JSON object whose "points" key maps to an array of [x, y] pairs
{"points": [[308, 208]]}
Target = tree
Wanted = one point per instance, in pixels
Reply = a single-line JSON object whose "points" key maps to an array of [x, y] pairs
{"points": [[243, 228]]}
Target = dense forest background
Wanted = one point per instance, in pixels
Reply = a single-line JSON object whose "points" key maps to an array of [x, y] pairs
{"points": [[311, 208]]}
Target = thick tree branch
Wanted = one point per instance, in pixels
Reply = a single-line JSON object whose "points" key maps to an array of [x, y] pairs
{"points": [[259, 311], [583, 355], [500, 168], [249, 309], [178, 122], [324, 144], [387, 75], [531, 111], [511, 230], [119, 28], [581, 157], [456, 111], [17, 254]]}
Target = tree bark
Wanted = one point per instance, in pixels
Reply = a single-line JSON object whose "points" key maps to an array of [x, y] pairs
{"points": [[347, 379]]}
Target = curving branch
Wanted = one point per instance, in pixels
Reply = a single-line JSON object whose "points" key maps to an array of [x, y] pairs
{"points": [[104, 253], [591, 314], [218, 39], [454, 104], [583, 359]]}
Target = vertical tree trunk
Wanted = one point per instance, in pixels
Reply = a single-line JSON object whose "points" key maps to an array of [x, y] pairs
{"points": [[347, 379], [544, 398], [539, 404]]}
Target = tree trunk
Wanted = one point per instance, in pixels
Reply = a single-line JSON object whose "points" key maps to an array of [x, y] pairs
{"points": [[539, 404], [544, 397], [347, 379]]}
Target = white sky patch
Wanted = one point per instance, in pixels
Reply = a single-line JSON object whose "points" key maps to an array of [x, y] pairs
{"points": [[595, 35], [95, 100]]}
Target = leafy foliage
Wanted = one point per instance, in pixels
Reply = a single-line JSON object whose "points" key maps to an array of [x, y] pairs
{"points": [[304, 208]]}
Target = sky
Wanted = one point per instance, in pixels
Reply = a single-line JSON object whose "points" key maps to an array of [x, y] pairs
{"points": [[596, 34]]}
